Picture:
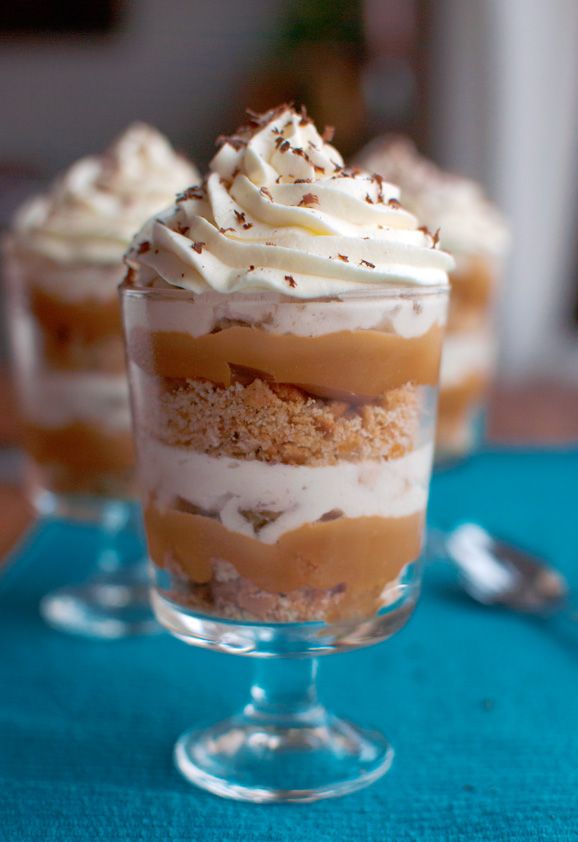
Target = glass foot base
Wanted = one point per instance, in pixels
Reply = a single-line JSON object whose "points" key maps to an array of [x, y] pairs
{"points": [[304, 758], [108, 607]]}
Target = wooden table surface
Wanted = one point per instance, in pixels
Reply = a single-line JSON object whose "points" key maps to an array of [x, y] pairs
{"points": [[535, 413]]}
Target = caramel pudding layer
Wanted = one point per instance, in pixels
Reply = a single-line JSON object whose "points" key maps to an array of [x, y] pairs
{"points": [[81, 446], [84, 320], [361, 364], [355, 557], [82, 458]]}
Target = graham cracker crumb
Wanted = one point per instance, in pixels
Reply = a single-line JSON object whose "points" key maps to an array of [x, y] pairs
{"points": [[281, 423]]}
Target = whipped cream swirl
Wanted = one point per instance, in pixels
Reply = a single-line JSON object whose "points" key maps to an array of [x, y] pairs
{"points": [[94, 208], [279, 212], [468, 222]]}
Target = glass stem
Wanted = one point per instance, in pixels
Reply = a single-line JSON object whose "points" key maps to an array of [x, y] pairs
{"points": [[122, 541], [284, 689]]}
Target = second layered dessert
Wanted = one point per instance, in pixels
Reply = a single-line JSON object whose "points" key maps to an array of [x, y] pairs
{"points": [[475, 233], [64, 263], [284, 324]]}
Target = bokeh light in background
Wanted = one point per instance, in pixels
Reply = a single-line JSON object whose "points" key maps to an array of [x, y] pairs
{"points": [[487, 87]]}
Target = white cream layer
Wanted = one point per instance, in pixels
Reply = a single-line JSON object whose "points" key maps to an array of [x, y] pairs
{"points": [[56, 400], [465, 354], [397, 315], [303, 494]]}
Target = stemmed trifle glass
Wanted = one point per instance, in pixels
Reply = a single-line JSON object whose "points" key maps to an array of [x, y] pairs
{"points": [[63, 264], [284, 324]]}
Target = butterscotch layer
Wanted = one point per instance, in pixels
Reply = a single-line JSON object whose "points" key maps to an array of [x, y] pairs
{"points": [[281, 423], [456, 413], [456, 401], [472, 294], [357, 556], [345, 365], [61, 352], [81, 445], [473, 282], [85, 320]]}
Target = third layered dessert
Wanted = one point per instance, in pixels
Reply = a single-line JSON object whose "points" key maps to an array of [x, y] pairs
{"points": [[64, 263], [475, 233], [284, 324]]}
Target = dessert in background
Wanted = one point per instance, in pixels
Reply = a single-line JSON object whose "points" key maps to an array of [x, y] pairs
{"points": [[63, 263], [475, 233], [284, 324]]}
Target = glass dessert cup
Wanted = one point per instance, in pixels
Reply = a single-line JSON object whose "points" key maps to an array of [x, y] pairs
{"points": [[468, 358], [70, 378], [284, 452]]}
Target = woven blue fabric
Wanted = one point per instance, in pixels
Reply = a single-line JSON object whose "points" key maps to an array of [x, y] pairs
{"points": [[481, 705]]}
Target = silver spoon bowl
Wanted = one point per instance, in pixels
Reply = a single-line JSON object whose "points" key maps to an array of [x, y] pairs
{"points": [[496, 573]]}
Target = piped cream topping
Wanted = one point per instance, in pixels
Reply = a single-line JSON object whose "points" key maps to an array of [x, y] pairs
{"points": [[280, 212], [94, 208], [467, 220]]}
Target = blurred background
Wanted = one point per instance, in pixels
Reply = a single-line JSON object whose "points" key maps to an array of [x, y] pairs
{"points": [[488, 88]]}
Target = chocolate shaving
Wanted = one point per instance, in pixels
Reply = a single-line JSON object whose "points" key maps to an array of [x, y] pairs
{"points": [[194, 192], [198, 246], [143, 247], [367, 263], [130, 276], [297, 150], [368, 199], [291, 281], [328, 134], [284, 146], [305, 118], [338, 167], [303, 181], [224, 230], [183, 229], [435, 238], [343, 257], [251, 268], [319, 168], [247, 225], [393, 203], [379, 180], [266, 192], [234, 140], [240, 216], [309, 199]]}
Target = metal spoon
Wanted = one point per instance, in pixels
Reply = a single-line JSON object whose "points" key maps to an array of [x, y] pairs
{"points": [[494, 572]]}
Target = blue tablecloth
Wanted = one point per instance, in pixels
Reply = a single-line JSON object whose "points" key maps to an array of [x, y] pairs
{"points": [[481, 705]]}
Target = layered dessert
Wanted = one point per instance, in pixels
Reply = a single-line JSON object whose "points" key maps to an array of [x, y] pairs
{"points": [[63, 267], [284, 323], [472, 229]]}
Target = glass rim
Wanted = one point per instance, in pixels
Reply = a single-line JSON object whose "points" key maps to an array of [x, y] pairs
{"points": [[401, 291]]}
